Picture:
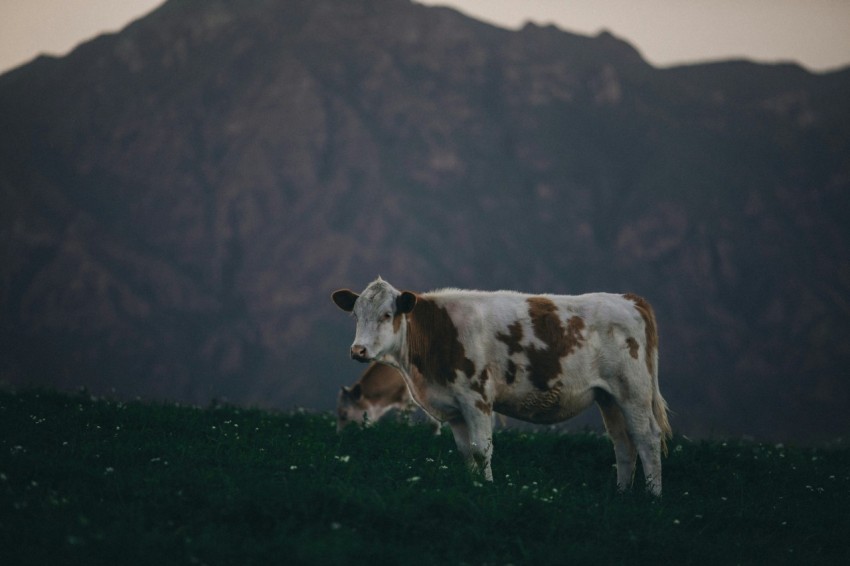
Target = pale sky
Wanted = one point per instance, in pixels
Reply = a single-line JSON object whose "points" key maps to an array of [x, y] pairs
{"points": [[814, 33]]}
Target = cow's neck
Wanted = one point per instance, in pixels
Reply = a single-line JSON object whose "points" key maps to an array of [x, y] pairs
{"points": [[432, 344], [408, 353]]}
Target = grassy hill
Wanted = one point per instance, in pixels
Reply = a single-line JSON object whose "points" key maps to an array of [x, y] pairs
{"points": [[93, 481]]}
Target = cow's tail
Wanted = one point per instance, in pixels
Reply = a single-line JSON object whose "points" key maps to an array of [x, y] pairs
{"points": [[659, 405], [660, 410]]}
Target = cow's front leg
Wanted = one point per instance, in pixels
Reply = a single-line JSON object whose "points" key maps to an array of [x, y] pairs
{"points": [[473, 433]]}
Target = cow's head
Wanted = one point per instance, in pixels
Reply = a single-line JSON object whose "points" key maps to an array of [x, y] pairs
{"points": [[379, 312], [350, 407]]}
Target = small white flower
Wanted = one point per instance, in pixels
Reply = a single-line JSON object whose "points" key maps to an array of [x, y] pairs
{"points": [[293, 467], [109, 470], [343, 459], [414, 479]]}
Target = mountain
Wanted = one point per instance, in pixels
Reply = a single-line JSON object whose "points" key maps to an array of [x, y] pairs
{"points": [[180, 199]]}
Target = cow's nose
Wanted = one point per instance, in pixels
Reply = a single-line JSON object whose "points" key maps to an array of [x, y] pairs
{"points": [[358, 352]]}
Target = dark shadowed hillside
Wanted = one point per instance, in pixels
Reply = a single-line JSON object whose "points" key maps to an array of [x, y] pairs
{"points": [[180, 199]]}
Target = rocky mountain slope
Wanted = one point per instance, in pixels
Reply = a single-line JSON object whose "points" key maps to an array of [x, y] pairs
{"points": [[179, 200]]}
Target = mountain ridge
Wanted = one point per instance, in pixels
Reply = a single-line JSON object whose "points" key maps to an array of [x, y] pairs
{"points": [[181, 198]]}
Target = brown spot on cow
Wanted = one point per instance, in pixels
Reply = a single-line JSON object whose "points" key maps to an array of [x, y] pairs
{"points": [[478, 386], [434, 346], [510, 372], [483, 407], [574, 338], [545, 363], [651, 330], [633, 347], [397, 322], [513, 338]]}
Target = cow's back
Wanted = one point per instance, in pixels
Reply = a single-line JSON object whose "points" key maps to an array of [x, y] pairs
{"points": [[545, 355]]}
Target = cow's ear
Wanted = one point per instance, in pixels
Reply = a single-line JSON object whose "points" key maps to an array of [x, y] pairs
{"points": [[344, 299], [405, 302], [355, 392]]}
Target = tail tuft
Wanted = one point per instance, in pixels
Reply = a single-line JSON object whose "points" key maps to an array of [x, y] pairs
{"points": [[660, 410]]}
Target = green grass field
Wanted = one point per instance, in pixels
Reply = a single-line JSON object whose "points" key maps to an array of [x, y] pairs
{"points": [[85, 481]]}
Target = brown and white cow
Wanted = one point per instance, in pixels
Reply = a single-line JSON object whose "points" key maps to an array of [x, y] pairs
{"points": [[538, 358], [379, 390]]}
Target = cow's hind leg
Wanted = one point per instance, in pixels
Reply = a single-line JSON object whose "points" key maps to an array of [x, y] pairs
{"points": [[624, 450], [646, 436]]}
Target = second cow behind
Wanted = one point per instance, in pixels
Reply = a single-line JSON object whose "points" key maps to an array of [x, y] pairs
{"points": [[379, 391]]}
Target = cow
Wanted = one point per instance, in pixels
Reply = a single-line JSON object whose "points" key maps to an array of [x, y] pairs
{"points": [[378, 391], [538, 358]]}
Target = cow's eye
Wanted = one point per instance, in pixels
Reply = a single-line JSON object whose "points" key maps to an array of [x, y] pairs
{"points": [[388, 315]]}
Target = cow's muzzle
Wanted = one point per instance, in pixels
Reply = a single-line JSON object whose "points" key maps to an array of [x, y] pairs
{"points": [[359, 353]]}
